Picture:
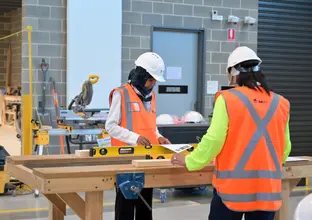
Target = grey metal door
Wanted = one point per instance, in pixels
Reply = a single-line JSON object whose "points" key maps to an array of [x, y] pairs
{"points": [[180, 52]]}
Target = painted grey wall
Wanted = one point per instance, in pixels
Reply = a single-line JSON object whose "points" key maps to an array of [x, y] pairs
{"points": [[138, 16]]}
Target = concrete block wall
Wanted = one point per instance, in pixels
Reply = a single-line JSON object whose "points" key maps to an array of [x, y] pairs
{"points": [[48, 20], [140, 15], [10, 23]]}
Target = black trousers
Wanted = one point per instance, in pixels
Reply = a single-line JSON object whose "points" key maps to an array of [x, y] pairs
{"points": [[219, 211], [127, 209]]}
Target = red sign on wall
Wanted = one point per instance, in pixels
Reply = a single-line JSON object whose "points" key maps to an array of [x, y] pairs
{"points": [[231, 34]]}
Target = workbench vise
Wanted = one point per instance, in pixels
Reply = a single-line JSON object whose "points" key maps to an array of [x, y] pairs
{"points": [[130, 184]]}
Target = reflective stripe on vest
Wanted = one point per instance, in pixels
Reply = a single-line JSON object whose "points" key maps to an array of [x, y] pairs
{"points": [[127, 105], [239, 172]]}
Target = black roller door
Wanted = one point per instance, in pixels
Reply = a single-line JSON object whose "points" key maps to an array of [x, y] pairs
{"points": [[285, 46]]}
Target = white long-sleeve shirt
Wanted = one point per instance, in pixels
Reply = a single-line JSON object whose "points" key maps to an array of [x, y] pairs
{"points": [[113, 127]]}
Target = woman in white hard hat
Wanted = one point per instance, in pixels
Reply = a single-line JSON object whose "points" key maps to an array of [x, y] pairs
{"points": [[249, 139], [132, 121]]}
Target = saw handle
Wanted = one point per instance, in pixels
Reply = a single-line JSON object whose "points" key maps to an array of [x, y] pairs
{"points": [[93, 78]]}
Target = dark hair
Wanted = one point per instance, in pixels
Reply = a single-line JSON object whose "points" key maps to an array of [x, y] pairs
{"points": [[252, 76], [131, 74]]}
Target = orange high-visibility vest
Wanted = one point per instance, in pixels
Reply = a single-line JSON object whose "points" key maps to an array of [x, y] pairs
{"points": [[248, 170], [134, 116]]}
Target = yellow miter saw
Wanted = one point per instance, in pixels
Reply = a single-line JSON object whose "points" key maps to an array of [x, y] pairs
{"points": [[77, 115], [79, 103]]}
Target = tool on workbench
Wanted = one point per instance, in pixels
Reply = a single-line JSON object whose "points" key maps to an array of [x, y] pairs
{"points": [[153, 152], [80, 118], [44, 114], [131, 185], [79, 103]]}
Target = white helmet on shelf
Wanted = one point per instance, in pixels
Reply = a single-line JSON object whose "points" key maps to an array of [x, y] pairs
{"points": [[239, 55], [164, 119], [153, 64], [193, 117], [303, 210]]}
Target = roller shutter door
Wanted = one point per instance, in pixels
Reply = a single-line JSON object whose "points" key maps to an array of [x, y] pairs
{"points": [[285, 46]]}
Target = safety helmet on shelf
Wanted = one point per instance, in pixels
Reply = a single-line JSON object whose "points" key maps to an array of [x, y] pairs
{"points": [[153, 64], [164, 119], [239, 55], [193, 117]]}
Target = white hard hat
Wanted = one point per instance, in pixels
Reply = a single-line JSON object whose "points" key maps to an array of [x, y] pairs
{"points": [[239, 55], [193, 116], [164, 119], [303, 210], [153, 64]]}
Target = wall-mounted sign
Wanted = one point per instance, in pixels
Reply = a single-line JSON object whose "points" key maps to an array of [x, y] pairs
{"points": [[231, 34], [172, 89]]}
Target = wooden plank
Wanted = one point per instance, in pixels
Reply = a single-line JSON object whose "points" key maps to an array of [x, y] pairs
{"points": [[296, 171], [75, 202], [8, 68], [25, 175], [182, 180], [82, 153], [57, 203], [94, 205], [66, 185], [106, 170], [71, 185], [13, 98], [109, 170], [66, 159], [152, 163]]}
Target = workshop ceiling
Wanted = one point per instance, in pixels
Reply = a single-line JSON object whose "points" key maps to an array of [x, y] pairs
{"points": [[9, 5]]}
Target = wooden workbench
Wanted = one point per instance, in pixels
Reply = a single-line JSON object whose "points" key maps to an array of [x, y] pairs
{"points": [[61, 177]]}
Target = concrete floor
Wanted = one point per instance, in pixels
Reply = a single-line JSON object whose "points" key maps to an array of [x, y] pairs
{"points": [[185, 205]]}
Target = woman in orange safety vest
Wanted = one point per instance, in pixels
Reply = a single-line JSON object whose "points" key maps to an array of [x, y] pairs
{"points": [[249, 140], [132, 121]]}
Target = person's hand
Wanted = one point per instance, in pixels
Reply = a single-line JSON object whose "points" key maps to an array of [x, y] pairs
{"points": [[143, 141], [178, 159], [163, 140]]}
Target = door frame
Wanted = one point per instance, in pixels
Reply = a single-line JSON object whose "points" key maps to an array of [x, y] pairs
{"points": [[201, 61]]}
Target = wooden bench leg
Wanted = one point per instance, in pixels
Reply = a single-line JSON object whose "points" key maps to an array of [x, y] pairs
{"points": [[94, 205], [287, 187], [54, 213], [57, 207]]}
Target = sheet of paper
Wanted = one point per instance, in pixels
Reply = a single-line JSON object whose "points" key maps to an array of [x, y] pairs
{"points": [[104, 142], [177, 147], [292, 159], [174, 72], [212, 87]]}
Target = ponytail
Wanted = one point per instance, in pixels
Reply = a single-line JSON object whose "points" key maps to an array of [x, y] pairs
{"points": [[253, 80]]}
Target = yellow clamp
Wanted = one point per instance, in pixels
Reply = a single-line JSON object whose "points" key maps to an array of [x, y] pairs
{"points": [[35, 125], [93, 78], [68, 128], [41, 137]]}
